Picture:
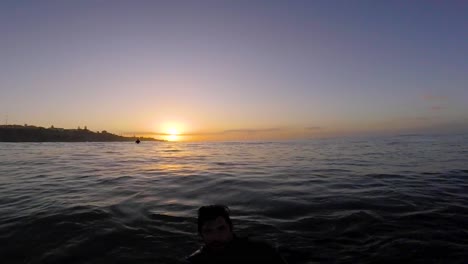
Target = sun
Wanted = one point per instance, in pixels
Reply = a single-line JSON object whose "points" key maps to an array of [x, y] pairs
{"points": [[171, 131], [172, 134]]}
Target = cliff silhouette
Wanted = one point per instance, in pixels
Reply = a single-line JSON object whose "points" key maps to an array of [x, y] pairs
{"points": [[18, 133]]}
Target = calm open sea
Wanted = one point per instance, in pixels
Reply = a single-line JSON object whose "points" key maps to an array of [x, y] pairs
{"points": [[366, 200]]}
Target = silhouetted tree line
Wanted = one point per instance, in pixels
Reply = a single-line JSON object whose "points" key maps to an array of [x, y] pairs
{"points": [[17, 133]]}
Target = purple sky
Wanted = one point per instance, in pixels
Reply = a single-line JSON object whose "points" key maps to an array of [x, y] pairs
{"points": [[236, 69]]}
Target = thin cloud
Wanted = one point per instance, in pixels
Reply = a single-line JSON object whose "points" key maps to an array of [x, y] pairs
{"points": [[250, 131], [147, 133], [313, 128], [433, 98], [436, 102], [437, 107], [224, 132], [416, 118]]}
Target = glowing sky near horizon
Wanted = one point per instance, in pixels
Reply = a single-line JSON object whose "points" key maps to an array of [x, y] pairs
{"points": [[236, 69]]}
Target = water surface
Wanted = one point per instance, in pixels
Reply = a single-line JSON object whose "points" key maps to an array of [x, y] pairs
{"points": [[361, 200]]}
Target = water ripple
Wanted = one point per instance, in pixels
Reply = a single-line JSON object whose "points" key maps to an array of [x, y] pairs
{"points": [[334, 201]]}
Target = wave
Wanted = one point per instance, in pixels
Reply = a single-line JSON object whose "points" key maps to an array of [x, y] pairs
{"points": [[330, 201]]}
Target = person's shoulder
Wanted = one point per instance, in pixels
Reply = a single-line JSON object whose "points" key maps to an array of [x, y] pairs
{"points": [[253, 243], [260, 249], [195, 257]]}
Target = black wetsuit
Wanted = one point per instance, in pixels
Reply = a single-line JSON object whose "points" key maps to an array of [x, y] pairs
{"points": [[240, 250]]}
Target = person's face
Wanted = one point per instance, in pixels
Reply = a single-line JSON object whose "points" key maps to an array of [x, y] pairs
{"points": [[216, 233]]}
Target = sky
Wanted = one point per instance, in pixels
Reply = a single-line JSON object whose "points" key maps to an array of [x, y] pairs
{"points": [[236, 70]]}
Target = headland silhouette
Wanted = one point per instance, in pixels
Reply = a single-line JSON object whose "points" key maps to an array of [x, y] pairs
{"points": [[27, 133]]}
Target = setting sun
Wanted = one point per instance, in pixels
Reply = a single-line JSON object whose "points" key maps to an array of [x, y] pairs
{"points": [[172, 134], [171, 131]]}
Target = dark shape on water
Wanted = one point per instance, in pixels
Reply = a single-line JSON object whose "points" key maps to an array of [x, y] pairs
{"points": [[221, 245], [137, 141], [28, 133]]}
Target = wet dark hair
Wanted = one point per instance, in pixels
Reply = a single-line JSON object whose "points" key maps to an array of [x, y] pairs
{"points": [[210, 213]]}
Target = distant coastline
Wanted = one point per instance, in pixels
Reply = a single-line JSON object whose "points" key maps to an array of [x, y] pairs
{"points": [[27, 133]]}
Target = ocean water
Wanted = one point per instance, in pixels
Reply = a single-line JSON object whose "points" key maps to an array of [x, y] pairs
{"points": [[360, 200]]}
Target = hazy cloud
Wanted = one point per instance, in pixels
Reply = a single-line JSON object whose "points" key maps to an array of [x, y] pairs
{"points": [[251, 131], [437, 107], [433, 98], [417, 118], [147, 133], [313, 128], [435, 101], [224, 132]]}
